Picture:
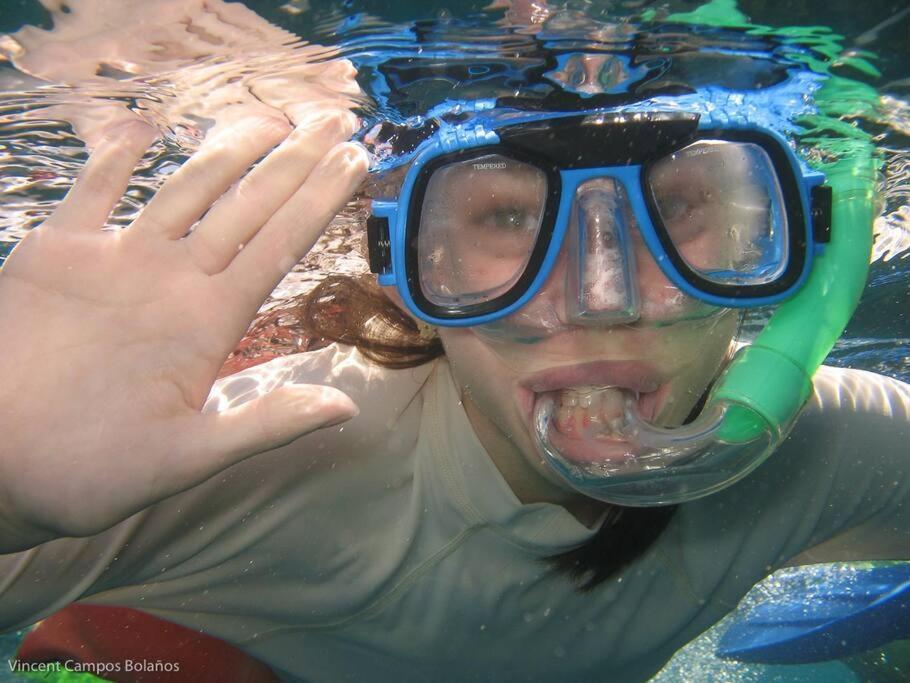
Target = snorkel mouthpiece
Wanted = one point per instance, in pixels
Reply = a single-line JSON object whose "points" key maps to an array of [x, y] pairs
{"points": [[641, 464]]}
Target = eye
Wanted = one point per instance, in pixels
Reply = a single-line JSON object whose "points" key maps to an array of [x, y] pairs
{"points": [[673, 208], [686, 212], [509, 219], [683, 204]]}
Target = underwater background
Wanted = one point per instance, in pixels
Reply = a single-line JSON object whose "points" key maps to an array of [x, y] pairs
{"points": [[412, 55]]}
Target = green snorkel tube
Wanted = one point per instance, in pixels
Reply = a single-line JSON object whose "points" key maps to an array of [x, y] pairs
{"points": [[756, 401], [768, 382]]}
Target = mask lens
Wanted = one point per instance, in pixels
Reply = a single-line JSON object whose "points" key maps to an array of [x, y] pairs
{"points": [[723, 209], [479, 223]]}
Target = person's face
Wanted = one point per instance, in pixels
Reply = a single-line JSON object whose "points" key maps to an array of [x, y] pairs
{"points": [[668, 357]]}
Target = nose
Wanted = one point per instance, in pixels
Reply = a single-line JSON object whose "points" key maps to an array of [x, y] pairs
{"points": [[601, 284], [604, 274]]}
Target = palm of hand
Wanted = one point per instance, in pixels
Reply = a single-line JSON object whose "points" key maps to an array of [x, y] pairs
{"points": [[113, 338]]}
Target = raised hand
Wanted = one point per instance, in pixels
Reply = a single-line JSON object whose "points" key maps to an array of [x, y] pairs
{"points": [[112, 339]]}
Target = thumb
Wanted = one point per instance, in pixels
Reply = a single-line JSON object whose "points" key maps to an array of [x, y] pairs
{"points": [[215, 441]]}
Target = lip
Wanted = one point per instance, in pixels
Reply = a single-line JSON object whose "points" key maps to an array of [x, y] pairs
{"points": [[637, 376], [633, 375]]}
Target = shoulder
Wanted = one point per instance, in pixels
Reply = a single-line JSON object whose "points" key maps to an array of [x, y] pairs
{"points": [[845, 390], [854, 430], [844, 464], [845, 459]]}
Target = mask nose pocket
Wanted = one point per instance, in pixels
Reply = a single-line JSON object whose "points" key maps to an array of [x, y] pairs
{"points": [[602, 285]]}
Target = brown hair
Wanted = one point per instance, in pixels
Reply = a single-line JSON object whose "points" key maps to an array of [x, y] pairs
{"points": [[353, 310]]}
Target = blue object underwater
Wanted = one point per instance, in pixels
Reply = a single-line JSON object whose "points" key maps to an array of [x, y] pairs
{"points": [[847, 613]]}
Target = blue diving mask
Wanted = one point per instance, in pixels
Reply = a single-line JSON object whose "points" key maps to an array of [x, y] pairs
{"points": [[484, 211]]}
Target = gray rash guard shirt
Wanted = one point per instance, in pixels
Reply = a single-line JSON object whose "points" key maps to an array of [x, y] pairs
{"points": [[390, 548]]}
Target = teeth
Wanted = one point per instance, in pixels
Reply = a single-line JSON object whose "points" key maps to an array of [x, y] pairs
{"points": [[588, 411]]}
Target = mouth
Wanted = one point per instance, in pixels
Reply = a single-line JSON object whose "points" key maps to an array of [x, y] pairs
{"points": [[588, 404]]}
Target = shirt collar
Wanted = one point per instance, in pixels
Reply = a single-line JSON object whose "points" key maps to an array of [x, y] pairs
{"points": [[475, 486]]}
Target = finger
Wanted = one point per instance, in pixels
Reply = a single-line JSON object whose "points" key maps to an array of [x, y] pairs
{"points": [[187, 194], [340, 76], [300, 100], [247, 206], [299, 111], [210, 442], [105, 178], [295, 227]]}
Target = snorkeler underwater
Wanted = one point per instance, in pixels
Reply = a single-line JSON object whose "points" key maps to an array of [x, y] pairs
{"points": [[511, 341]]}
